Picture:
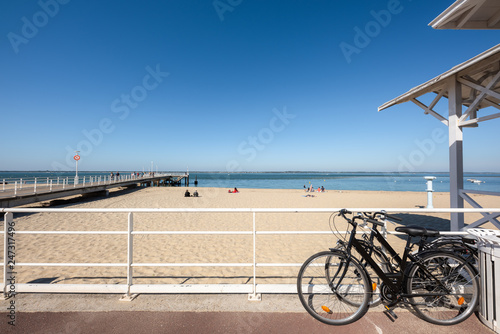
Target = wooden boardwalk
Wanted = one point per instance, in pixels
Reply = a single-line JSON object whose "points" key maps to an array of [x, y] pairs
{"points": [[13, 194]]}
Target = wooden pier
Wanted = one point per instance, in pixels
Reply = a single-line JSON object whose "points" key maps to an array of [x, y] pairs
{"points": [[14, 194]]}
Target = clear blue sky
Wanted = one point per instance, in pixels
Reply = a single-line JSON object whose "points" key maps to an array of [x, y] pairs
{"points": [[228, 85]]}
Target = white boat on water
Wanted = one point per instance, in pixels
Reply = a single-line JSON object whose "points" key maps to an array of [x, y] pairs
{"points": [[476, 181]]}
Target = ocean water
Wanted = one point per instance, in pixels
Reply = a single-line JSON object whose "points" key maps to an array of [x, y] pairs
{"points": [[297, 180]]}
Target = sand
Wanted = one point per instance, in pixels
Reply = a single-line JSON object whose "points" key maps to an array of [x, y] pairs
{"points": [[181, 248]]}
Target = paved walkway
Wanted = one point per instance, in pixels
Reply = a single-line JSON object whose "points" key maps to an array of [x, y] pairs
{"points": [[82, 313]]}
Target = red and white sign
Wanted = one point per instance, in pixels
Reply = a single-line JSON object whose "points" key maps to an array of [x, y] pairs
{"points": [[76, 157]]}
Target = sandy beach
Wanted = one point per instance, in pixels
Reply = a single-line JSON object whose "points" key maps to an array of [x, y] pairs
{"points": [[181, 248]]}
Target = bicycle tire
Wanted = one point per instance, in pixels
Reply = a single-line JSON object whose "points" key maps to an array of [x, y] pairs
{"points": [[458, 295], [456, 246], [330, 300]]}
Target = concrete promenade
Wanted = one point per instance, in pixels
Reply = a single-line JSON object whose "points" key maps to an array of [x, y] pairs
{"points": [[94, 313]]}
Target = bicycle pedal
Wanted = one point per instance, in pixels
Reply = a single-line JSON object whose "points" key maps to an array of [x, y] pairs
{"points": [[390, 313]]}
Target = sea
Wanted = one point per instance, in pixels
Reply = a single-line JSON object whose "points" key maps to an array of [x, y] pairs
{"points": [[373, 181]]}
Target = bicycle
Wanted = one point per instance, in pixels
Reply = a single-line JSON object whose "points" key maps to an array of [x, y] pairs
{"points": [[336, 289]]}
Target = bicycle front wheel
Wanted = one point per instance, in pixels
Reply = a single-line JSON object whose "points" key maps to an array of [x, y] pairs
{"points": [[333, 289], [445, 288]]}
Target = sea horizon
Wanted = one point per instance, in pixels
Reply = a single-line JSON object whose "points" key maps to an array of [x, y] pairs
{"points": [[370, 181]]}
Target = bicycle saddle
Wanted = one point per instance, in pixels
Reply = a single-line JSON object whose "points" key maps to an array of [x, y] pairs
{"points": [[418, 231]]}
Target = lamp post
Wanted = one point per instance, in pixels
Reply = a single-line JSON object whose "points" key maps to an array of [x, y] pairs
{"points": [[76, 157]]}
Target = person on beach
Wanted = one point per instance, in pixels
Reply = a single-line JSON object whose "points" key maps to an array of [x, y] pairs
{"points": [[311, 189], [322, 189], [187, 193], [235, 190], [195, 194]]}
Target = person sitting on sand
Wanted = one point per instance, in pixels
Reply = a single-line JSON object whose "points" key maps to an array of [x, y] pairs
{"points": [[235, 190], [187, 194], [195, 194], [322, 189]]}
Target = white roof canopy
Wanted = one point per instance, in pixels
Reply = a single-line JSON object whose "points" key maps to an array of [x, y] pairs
{"points": [[469, 14], [480, 81]]}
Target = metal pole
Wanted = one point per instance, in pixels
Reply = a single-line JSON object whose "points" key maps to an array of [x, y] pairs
{"points": [[34, 188], [130, 255], [15, 188], [21, 184], [429, 190], [50, 185], [6, 222]]}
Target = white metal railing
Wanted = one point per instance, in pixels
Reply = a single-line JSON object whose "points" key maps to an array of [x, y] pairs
{"points": [[48, 184], [130, 288]]}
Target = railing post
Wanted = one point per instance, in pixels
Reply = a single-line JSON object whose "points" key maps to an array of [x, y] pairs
{"points": [[254, 296], [130, 259], [50, 185], [3, 184], [47, 182], [15, 188], [34, 187], [21, 184], [7, 221], [58, 180]]}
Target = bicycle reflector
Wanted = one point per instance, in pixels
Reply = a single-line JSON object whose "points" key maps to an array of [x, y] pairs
{"points": [[326, 309], [461, 300], [374, 286]]}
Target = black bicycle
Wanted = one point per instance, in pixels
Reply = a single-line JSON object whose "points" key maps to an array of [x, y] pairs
{"points": [[464, 246], [335, 288]]}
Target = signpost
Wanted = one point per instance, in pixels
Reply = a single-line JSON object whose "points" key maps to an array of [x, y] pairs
{"points": [[76, 157]]}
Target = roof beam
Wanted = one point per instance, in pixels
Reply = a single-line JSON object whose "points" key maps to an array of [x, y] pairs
{"points": [[428, 110], [463, 20], [484, 91], [494, 20]]}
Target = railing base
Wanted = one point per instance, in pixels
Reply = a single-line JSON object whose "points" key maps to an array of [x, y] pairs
{"points": [[255, 297]]}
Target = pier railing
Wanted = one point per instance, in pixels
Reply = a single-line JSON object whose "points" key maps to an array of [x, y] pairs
{"points": [[10, 247], [14, 186]]}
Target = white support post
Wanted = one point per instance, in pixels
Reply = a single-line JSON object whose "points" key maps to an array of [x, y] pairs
{"points": [[3, 185], [254, 296], [130, 259], [47, 182], [429, 191], [456, 152], [21, 184], [50, 185], [34, 187], [58, 180], [64, 183], [7, 222], [15, 188]]}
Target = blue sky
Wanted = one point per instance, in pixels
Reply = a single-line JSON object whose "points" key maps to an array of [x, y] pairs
{"points": [[228, 85]]}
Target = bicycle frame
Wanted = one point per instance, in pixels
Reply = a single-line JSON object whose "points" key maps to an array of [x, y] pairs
{"points": [[394, 281]]}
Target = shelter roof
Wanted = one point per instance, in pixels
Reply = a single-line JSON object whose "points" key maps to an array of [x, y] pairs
{"points": [[469, 14], [477, 72]]}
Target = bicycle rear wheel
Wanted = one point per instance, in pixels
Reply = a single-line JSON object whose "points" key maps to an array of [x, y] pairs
{"points": [[446, 288], [333, 289]]}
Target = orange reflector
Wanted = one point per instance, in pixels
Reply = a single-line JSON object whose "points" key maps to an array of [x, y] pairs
{"points": [[374, 286], [461, 300], [326, 309]]}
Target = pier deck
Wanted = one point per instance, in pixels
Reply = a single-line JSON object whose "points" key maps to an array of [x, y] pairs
{"points": [[18, 193]]}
